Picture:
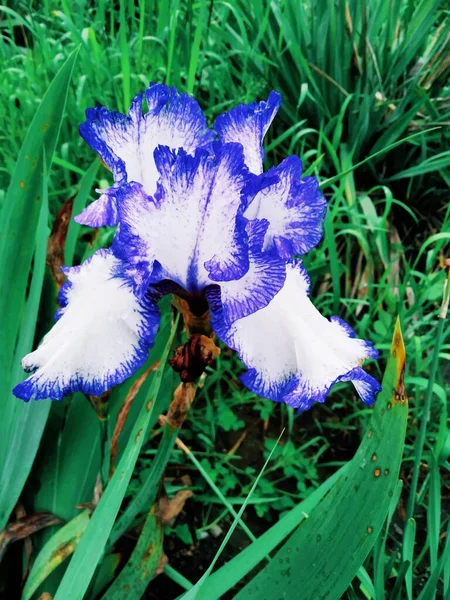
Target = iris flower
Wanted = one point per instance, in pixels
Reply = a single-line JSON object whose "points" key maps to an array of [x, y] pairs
{"points": [[197, 216]]}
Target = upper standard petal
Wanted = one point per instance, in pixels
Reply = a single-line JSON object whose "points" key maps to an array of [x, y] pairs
{"points": [[233, 300], [294, 207], [247, 124], [126, 142], [191, 231]]}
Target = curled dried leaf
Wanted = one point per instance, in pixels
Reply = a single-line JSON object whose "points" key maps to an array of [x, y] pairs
{"points": [[24, 527], [57, 241], [168, 509], [180, 405], [191, 359]]}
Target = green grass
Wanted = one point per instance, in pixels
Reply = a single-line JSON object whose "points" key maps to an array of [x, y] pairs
{"points": [[356, 79]]}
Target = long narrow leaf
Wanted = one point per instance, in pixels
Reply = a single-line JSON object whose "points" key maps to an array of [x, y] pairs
{"points": [[88, 554], [19, 225], [324, 554]]}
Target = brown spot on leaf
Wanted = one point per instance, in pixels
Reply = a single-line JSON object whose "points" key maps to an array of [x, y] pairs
{"points": [[124, 411], [148, 551], [22, 184], [400, 359], [63, 551], [163, 560], [377, 472]]}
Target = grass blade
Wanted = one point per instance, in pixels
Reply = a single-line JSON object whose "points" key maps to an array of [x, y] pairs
{"points": [[198, 587], [88, 554], [408, 555], [26, 421], [147, 493], [427, 401], [324, 554], [388, 148], [240, 566], [19, 224]]}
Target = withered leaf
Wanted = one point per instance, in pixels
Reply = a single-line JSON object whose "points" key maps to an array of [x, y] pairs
{"points": [[24, 527], [57, 241]]}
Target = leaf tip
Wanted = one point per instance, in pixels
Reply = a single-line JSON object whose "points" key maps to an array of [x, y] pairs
{"points": [[399, 354]]}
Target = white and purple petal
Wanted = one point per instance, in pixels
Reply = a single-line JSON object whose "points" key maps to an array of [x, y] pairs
{"points": [[101, 212], [295, 209], [115, 137], [233, 300], [102, 334], [247, 124], [126, 143], [294, 354], [191, 231]]}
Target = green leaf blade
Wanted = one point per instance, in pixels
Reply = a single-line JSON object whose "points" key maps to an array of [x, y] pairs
{"points": [[91, 548], [324, 554], [22, 221]]}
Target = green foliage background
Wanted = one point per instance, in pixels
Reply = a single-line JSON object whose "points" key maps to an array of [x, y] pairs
{"points": [[366, 106]]}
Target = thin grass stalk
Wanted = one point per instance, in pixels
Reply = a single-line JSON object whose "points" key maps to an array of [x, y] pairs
{"points": [[100, 404], [177, 577], [427, 402], [103, 421]]}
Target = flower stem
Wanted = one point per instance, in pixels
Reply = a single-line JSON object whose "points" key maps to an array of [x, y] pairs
{"points": [[100, 404], [104, 449]]}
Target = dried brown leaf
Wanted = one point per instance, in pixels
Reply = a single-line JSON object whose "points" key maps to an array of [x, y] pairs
{"points": [[57, 241], [179, 407], [191, 359], [168, 509], [24, 527]]}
